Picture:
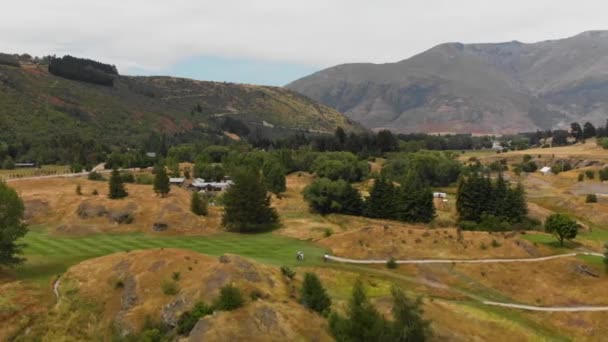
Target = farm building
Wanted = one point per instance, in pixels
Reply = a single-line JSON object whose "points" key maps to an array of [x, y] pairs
{"points": [[177, 181], [440, 195], [202, 185], [545, 170]]}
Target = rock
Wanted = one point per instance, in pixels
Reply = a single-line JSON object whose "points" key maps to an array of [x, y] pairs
{"points": [[160, 227], [121, 217], [35, 207], [87, 210], [170, 313], [224, 259]]}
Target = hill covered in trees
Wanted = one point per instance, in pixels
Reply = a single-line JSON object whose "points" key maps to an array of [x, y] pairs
{"points": [[85, 108]]}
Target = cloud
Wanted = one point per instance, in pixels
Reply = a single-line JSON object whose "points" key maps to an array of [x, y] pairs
{"points": [[154, 35]]}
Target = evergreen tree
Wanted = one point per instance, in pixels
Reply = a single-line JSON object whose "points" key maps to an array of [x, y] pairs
{"points": [[340, 136], [198, 205], [576, 131], [12, 227], [362, 322], [414, 200], [325, 196], [274, 176], [381, 200], [116, 186], [247, 205], [313, 295], [161, 181], [588, 130], [408, 324]]}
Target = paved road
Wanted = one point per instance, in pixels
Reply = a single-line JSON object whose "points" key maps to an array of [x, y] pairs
{"points": [[582, 308]]}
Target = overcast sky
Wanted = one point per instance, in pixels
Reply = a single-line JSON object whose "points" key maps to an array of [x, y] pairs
{"points": [[276, 41]]}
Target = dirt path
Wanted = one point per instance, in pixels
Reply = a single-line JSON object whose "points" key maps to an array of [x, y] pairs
{"points": [[462, 261], [582, 308]]}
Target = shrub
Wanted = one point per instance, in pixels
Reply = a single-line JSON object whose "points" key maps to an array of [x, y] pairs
{"points": [[603, 142], [95, 176], [119, 284], [78, 190], [188, 319], [288, 272], [128, 177], [391, 263], [527, 158], [170, 288], [591, 198], [581, 177], [483, 246], [495, 243], [176, 276], [328, 232], [95, 192], [145, 178], [590, 174], [603, 173], [230, 299], [256, 294]]}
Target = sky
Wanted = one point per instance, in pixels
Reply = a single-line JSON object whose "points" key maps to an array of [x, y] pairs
{"points": [[274, 42]]}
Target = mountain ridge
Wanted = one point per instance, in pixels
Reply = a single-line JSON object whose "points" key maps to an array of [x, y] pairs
{"points": [[481, 88]]}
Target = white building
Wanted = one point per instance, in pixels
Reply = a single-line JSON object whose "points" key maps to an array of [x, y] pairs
{"points": [[545, 170]]}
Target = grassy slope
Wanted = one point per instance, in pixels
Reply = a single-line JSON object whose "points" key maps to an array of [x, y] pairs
{"points": [[32, 100]]}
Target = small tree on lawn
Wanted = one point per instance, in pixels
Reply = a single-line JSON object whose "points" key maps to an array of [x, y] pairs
{"points": [[408, 324], [198, 205], [12, 227], [116, 185], [161, 182], [247, 204], [562, 227], [313, 295]]}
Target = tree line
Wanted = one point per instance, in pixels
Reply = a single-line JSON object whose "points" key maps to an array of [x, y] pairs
{"points": [[82, 69]]}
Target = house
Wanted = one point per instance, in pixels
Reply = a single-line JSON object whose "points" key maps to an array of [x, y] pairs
{"points": [[545, 170], [496, 145], [440, 195], [201, 185], [151, 154], [177, 181], [21, 165]]}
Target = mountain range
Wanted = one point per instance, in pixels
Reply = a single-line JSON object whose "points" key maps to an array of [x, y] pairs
{"points": [[478, 88]]}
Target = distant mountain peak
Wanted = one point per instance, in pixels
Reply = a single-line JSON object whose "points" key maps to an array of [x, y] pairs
{"points": [[482, 87]]}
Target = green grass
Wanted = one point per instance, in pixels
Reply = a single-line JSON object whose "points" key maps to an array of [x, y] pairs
{"points": [[49, 256]]}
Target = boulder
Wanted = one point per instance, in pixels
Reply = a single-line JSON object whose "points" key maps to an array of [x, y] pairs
{"points": [[87, 209], [121, 217], [160, 226]]}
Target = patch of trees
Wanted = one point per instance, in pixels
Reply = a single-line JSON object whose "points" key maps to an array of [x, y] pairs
{"points": [[12, 226], [486, 204], [325, 196], [234, 125], [435, 168], [340, 165], [9, 60], [247, 204], [363, 322], [412, 201], [82, 69]]}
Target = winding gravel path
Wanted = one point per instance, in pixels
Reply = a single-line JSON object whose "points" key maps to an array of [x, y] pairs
{"points": [[582, 308]]}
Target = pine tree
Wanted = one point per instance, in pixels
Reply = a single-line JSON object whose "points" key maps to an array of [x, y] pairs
{"points": [[313, 295], [198, 205], [414, 200], [499, 197], [247, 205], [381, 200], [116, 186], [161, 182], [12, 227], [588, 130], [408, 324]]}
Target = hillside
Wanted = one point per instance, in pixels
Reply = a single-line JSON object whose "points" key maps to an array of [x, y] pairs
{"points": [[481, 88], [32, 101]]}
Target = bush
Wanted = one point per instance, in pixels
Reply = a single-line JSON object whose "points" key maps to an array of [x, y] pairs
{"points": [[391, 263], [145, 179], [230, 299], [176, 276], [288, 272], [170, 288], [128, 177], [603, 142], [591, 198], [328, 232], [95, 176], [495, 243], [325, 196], [581, 177], [590, 174], [188, 319], [78, 190], [95, 192], [529, 166], [603, 173]]}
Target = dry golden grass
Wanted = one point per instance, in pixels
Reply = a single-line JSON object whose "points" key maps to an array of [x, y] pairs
{"points": [[18, 303], [415, 242], [54, 202]]}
